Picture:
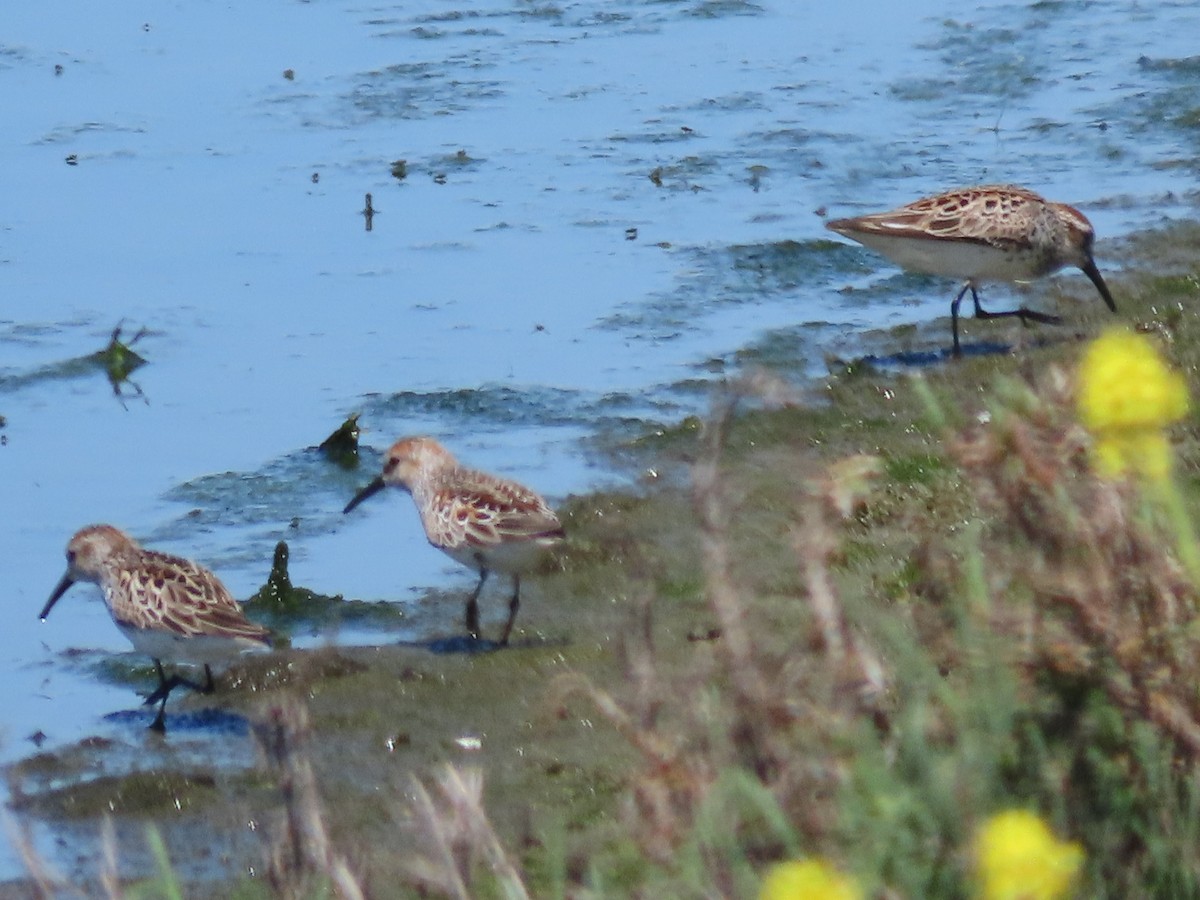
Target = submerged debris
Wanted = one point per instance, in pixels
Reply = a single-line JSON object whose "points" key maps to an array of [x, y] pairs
{"points": [[285, 608], [368, 213], [279, 590], [120, 360], [341, 447]]}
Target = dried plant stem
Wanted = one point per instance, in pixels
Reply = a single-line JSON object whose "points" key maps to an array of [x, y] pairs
{"points": [[647, 742], [468, 792], [455, 828], [814, 545], [303, 849], [440, 865], [47, 883], [723, 597], [834, 497], [110, 876]]}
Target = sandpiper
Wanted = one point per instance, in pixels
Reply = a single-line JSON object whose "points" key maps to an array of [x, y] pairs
{"points": [[487, 523], [169, 608], [986, 233]]}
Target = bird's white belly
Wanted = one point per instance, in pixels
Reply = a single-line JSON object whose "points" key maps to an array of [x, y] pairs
{"points": [[955, 259], [510, 558], [197, 650]]}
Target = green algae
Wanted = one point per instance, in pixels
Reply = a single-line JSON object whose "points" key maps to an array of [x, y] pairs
{"points": [[915, 468], [126, 669], [147, 793]]}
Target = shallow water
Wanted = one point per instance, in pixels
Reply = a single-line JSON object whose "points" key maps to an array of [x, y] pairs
{"points": [[525, 286]]}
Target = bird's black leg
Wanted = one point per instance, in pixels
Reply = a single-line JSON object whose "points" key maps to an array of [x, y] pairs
{"points": [[160, 694], [160, 721], [513, 605], [166, 685], [1025, 315], [954, 314], [1020, 312], [473, 605]]}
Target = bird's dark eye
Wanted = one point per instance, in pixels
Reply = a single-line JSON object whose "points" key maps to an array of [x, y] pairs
{"points": [[390, 464], [70, 557]]}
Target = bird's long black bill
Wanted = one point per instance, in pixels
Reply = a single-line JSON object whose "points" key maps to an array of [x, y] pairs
{"points": [[370, 490], [1093, 273], [66, 582]]}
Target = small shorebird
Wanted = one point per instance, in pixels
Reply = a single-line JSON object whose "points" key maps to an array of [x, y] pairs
{"points": [[987, 233], [169, 607], [487, 523]]}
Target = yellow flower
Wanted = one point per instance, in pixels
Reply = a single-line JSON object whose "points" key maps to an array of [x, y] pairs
{"points": [[1127, 396], [1146, 452], [1018, 858], [811, 879]]}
